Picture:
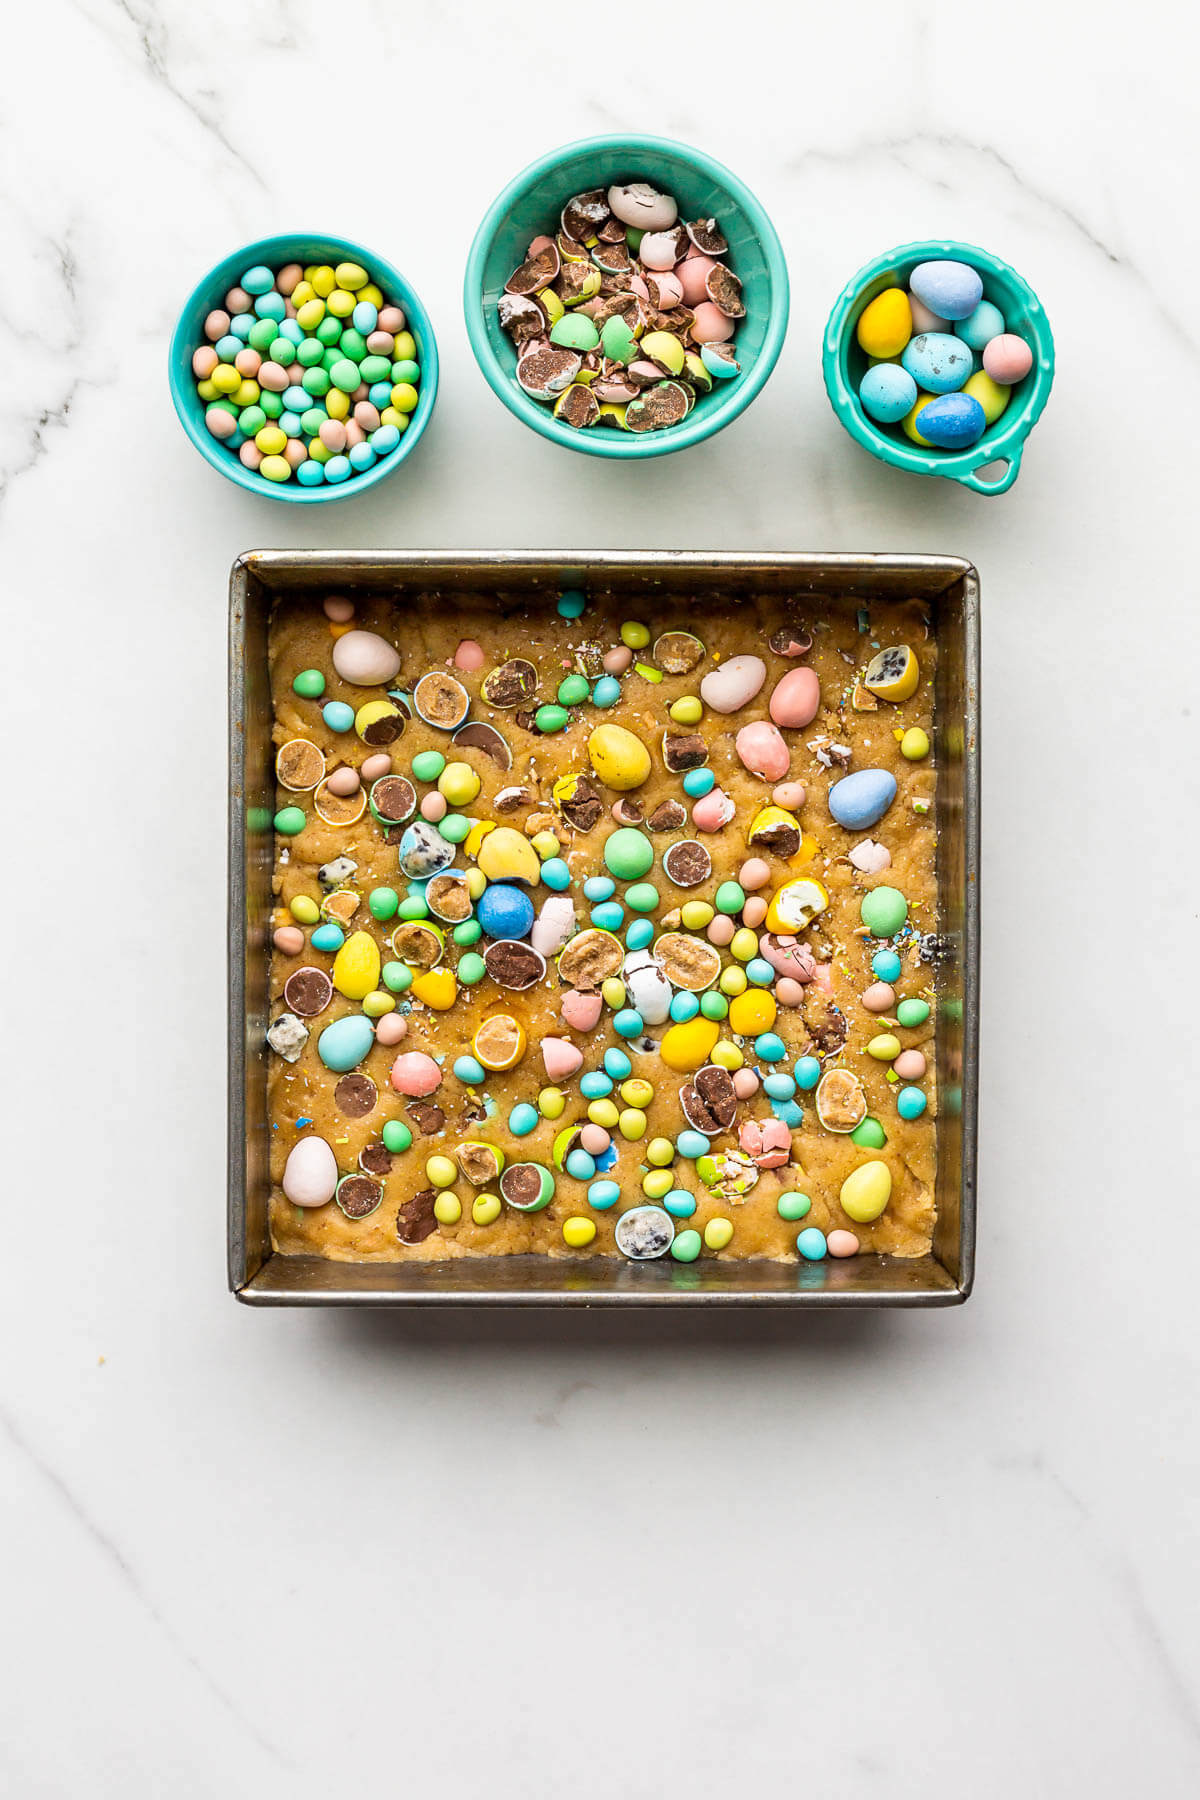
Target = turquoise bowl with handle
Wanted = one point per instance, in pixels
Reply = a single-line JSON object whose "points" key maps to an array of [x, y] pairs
{"points": [[530, 206], [845, 364], [275, 253]]}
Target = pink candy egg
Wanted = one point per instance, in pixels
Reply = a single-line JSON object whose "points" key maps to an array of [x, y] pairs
{"points": [[220, 423], [791, 795], [367, 416], [910, 1065], [754, 911], [288, 278], [691, 276], [391, 1028], [289, 940], [433, 807], [332, 434], [354, 434], [361, 392], [842, 1243], [336, 606], [620, 657], [795, 699], [789, 956], [469, 655], [733, 683], [344, 782], [1007, 358], [745, 1083], [581, 1011], [560, 1058], [755, 872], [391, 318], [272, 377], [713, 810], [924, 320], [762, 750], [657, 250], [216, 325], [249, 455], [594, 1139], [880, 997], [788, 992], [415, 1074], [294, 453], [380, 343], [538, 244], [295, 375], [247, 362], [237, 300], [670, 289], [710, 326], [720, 930], [204, 361], [377, 766]]}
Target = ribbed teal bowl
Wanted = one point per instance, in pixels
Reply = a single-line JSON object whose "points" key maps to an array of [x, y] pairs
{"points": [[530, 205], [845, 364], [275, 252]]}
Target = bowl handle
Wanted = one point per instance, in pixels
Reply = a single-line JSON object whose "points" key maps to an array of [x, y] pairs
{"points": [[1011, 457]]}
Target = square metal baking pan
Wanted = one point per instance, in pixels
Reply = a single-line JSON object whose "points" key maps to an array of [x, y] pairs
{"points": [[260, 1276]]}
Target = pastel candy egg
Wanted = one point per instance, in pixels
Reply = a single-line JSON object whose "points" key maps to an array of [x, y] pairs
{"points": [[866, 1191], [620, 760], [762, 750], [364, 659], [391, 1028], [713, 810], [311, 1173], [342, 1045], [791, 795], [734, 684], [981, 326], [636, 203], [887, 392], [795, 700], [842, 1243], [657, 250], [710, 325], [686, 1047], [880, 997], [693, 274], [923, 319], [991, 396], [909, 424], [951, 289], [754, 873], [1007, 359], [507, 855], [937, 362], [554, 924], [580, 1010], [883, 911], [646, 987], [415, 1074], [910, 1065], [356, 966], [469, 655], [861, 799], [561, 1057], [885, 325], [953, 421], [505, 911]]}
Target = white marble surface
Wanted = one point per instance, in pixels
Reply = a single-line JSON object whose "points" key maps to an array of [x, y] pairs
{"points": [[287, 1555]]}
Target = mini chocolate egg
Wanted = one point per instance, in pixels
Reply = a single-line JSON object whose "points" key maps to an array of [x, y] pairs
{"points": [[711, 326], [951, 289], [469, 656], [1007, 359], [364, 659], [953, 421], [923, 319], [791, 795], [657, 250], [795, 699], [343, 782], [734, 683], [860, 800], [937, 362], [980, 327], [646, 986], [762, 750], [887, 392], [310, 1174], [636, 203], [692, 275]]}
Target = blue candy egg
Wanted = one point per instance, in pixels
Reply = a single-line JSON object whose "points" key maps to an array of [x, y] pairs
{"points": [[571, 603], [787, 1112], [599, 887], [608, 916], [607, 1159], [365, 317], [684, 1007], [698, 782], [886, 965], [293, 332], [289, 424], [952, 290], [227, 347], [241, 325], [811, 1244], [770, 1047], [297, 399], [603, 1194], [328, 937], [640, 933], [383, 441], [595, 1085], [779, 1086], [580, 1165], [380, 395], [691, 1144], [910, 1103], [606, 692], [556, 874], [361, 457], [808, 1072], [337, 469], [468, 1070], [504, 911], [760, 972], [861, 799], [952, 421], [887, 392], [310, 474], [522, 1119], [679, 1203], [979, 328], [937, 362], [337, 715], [273, 306], [617, 1064], [343, 1044], [257, 280], [629, 1023]]}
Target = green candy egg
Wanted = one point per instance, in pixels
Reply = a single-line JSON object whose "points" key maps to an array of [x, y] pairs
{"points": [[573, 689], [550, 719], [730, 898], [428, 765], [912, 1012], [413, 907], [397, 977], [575, 331], [289, 820], [793, 1205], [883, 911], [469, 932], [870, 1135], [454, 828], [471, 968], [309, 684], [714, 1005], [383, 902], [396, 1136], [642, 897], [628, 853]]}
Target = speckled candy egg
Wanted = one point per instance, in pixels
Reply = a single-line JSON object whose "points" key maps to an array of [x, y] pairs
{"points": [[795, 699], [952, 290], [364, 659], [953, 421], [937, 362], [762, 750], [310, 1174], [734, 684], [887, 392]]}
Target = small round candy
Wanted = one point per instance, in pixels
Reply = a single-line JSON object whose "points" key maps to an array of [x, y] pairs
{"points": [[427, 765], [713, 1005], [598, 887], [687, 710], [634, 634], [383, 902], [718, 1233], [396, 1136], [730, 897], [684, 1006], [551, 718], [628, 853], [887, 965], [603, 1194], [608, 916], [811, 1244], [910, 1103], [594, 1086], [914, 745], [338, 716], [1007, 359], [552, 1103], [573, 690], [642, 896], [883, 911], [698, 782], [556, 874], [580, 1166], [628, 1023], [309, 684], [887, 392], [577, 1233], [639, 934], [770, 1047], [617, 1064], [522, 1119], [571, 603], [912, 1011], [606, 692], [486, 1208], [679, 1203], [471, 969], [468, 1070], [691, 1144], [289, 820], [459, 783], [397, 976]]}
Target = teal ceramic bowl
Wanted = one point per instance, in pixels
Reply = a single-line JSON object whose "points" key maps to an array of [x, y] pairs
{"points": [[530, 205], [275, 252], [1002, 443]]}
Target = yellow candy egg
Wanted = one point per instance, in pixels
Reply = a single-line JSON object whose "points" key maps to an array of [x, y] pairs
{"points": [[486, 1208], [356, 966], [866, 1191], [990, 394], [718, 1233], [884, 1048], [437, 988], [578, 1232], [447, 1209], [632, 1123], [507, 855], [795, 905], [752, 1013], [727, 1055], [442, 1171], [603, 1112], [687, 1046], [378, 1003], [620, 760], [371, 713], [459, 783], [885, 326], [909, 421]]}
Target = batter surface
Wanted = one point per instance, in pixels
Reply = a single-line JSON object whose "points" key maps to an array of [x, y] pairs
{"points": [[853, 730]]}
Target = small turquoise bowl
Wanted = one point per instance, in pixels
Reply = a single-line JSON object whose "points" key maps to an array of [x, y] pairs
{"points": [[275, 253], [530, 205], [845, 364]]}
